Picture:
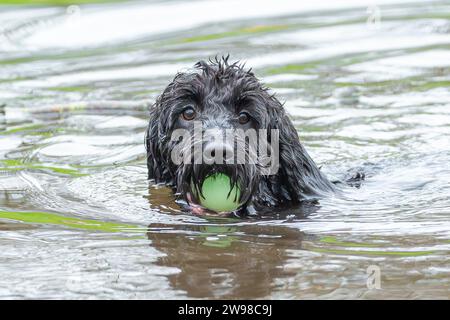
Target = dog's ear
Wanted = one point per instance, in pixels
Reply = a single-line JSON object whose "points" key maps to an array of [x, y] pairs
{"points": [[157, 136], [298, 175], [157, 166]]}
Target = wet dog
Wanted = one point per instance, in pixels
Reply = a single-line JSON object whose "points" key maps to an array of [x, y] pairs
{"points": [[220, 98]]}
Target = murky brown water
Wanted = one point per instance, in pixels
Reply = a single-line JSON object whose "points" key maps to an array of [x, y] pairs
{"points": [[78, 219]]}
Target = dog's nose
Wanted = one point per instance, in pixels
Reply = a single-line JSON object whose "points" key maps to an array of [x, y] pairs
{"points": [[217, 152]]}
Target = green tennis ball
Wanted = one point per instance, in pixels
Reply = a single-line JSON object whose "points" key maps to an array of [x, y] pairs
{"points": [[216, 193]]}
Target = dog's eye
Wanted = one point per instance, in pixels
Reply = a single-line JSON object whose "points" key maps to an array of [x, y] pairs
{"points": [[243, 118], [188, 114]]}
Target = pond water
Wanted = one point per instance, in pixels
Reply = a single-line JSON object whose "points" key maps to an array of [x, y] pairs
{"points": [[368, 87]]}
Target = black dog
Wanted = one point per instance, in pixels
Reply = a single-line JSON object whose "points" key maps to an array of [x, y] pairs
{"points": [[223, 96]]}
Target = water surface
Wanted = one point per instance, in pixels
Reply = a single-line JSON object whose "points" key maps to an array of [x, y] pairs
{"points": [[79, 220]]}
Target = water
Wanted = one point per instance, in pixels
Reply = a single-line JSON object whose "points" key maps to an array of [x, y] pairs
{"points": [[366, 88]]}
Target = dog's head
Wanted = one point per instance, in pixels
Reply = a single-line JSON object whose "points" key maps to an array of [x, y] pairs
{"points": [[220, 118]]}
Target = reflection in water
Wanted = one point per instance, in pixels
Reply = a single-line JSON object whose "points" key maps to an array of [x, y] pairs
{"points": [[225, 261], [162, 198], [14, 226]]}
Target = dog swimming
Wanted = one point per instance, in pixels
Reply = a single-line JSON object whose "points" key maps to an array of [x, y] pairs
{"points": [[218, 120]]}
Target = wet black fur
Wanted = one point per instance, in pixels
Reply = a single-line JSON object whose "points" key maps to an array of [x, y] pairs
{"points": [[216, 86]]}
